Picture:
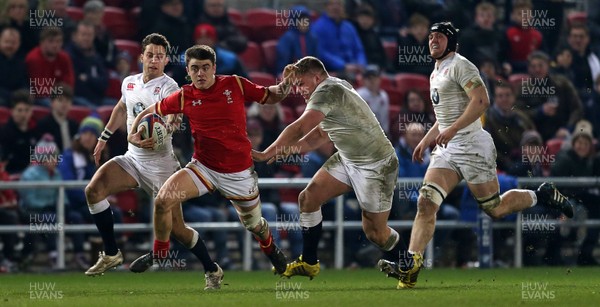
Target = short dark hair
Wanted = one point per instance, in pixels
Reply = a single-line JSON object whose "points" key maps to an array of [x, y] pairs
{"points": [[539, 55], [155, 39], [20, 96], [503, 84], [200, 52], [62, 90], [310, 64], [583, 27], [49, 33]]}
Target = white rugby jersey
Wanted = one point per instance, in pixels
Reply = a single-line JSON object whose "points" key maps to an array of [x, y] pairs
{"points": [[137, 96], [447, 85]]}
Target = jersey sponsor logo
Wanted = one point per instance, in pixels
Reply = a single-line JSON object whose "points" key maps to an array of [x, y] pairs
{"points": [[435, 96], [227, 94], [196, 102], [156, 90], [138, 108], [130, 86]]}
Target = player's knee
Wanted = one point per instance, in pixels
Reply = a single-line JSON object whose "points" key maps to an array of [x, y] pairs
{"points": [[426, 207], [306, 201], [253, 220], [489, 205], [93, 193], [163, 204]]}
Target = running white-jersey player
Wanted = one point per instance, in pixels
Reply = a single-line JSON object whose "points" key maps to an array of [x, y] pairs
{"points": [[144, 168], [464, 151]]}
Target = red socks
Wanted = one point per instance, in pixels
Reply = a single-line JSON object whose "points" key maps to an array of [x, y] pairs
{"points": [[266, 245], [161, 249]]}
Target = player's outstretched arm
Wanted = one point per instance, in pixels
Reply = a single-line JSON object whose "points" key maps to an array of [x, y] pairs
{"points": [[478, 103], [291, 135], [118, 115], [134, 137], [280, 91]]}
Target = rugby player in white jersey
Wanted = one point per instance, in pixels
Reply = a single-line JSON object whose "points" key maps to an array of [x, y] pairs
{"points": [[365, 162], [463, 151], [144, 168]]}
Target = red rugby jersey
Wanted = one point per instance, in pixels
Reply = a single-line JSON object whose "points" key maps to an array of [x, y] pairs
{"points": [[218, 120]]}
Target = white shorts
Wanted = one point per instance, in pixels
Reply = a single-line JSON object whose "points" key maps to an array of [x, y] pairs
{"points": [[472, 156], [149, 174], [240, 188], [373, 183]]}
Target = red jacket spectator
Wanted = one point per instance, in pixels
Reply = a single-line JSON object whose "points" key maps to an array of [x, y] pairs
{"points": [[48, 65]]}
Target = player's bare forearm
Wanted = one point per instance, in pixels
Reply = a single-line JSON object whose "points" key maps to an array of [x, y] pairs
{"points": [[289, 136], [278, 93], [118, 115], [432, 133], [478, 103], [313, 140], [138, 118]]}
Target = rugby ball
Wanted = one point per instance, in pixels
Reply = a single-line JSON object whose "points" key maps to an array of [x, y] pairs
{"points": [[154, 128]]}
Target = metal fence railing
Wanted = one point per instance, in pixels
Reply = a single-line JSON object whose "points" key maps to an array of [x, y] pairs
{"points": [[338, 225]]}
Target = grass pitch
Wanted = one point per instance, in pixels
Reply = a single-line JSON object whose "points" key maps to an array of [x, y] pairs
{"points": [[367, 287]]}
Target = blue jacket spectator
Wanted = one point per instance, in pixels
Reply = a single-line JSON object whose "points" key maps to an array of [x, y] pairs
{"points": [[340, 45], [297, 42]]}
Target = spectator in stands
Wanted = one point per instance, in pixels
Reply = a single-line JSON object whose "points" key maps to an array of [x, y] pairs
{"points": [[230, 37], [581, 160], [39, 204], [392, 15], [172, 23], [586, 62], [506, 125], [593, 114], [297, 42], [487, 71], [483, 39], [8, 216], [376, 98], [57, 124], [563, 64], [13, 62], [227, 61], [77, 162], [93, 12], [123, 65], [339, 44], [48, 65], [413, 48], [521, 38], [16, 15], [414, 110], [18, 137], [364, 22], [550, 101], [57, 16], [91, 76], [270, 117]]}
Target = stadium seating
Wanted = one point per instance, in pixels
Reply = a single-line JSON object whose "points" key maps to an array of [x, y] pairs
{"points": [[235, 16], [391, 50], [75, 13], [577, 18], [387, 82], [78, 113], [554, 146], [4, 115], [288, 115], [104, 112], [396, 97], [252, 57], [114, 88], [134, 49], [264, 25], [39, 112], [262, 78], [407, 81], [119, 23], [269, 49], [516, 80]]}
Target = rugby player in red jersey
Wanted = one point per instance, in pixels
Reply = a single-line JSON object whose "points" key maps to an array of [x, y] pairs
{"points": [[221, 161]]}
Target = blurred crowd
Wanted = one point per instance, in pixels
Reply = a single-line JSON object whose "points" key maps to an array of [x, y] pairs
{"points": [[62, 64]]}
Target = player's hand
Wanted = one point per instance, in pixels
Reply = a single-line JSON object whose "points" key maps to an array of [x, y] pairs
{"points": [[445, 136], [419, 151], [261, 156], [288, 73], [98, 151], [136, 140]]}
